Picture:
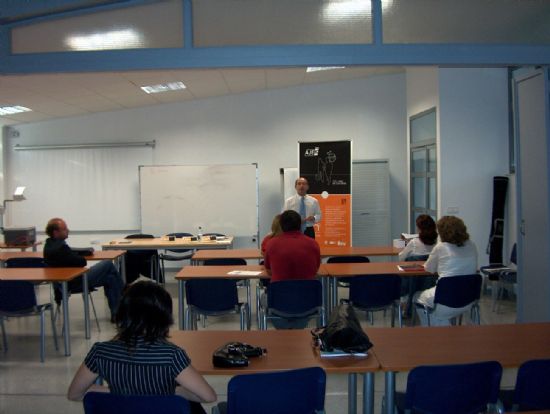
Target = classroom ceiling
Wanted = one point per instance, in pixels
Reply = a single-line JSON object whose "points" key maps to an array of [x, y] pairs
{"points": [[62, 95]]}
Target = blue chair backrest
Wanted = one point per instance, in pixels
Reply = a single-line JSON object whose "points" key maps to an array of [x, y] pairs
{"points": [[348, 259], [107, 403], [34, 262], [458, 291], [214, 234], [16, 296], [294, 296], [453, 389], [374, 290], [19, 295], [533, 386], [288, 392]]}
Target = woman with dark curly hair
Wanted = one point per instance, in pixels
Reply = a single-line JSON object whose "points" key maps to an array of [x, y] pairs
{"points": [[424, 243], [139, 360], [454, 255]]}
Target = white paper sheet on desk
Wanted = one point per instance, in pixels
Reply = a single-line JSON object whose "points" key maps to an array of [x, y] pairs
{"points": [[245, 272]]}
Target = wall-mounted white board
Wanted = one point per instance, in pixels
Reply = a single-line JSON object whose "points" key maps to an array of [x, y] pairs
{"points": [[218, 198], [93, 189]]}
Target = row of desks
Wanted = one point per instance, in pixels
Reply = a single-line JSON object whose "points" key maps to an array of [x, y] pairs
{"points": [[395, 350], [328, 273]]}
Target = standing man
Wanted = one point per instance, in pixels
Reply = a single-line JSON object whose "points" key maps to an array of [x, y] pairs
{"points": [[57, 253], [305, 205]]}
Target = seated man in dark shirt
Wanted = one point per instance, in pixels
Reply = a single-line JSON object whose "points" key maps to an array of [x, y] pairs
{"points": [[290, 256], [57, 253]]}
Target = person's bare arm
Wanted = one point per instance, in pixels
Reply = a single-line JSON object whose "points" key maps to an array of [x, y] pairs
{"points": [[83, 382], [194, 387]]}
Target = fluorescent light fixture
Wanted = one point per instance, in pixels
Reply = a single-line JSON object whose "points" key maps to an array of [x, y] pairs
{"points": [[163, 87], [320, 68], [113, 39], [338, 11], [9, 110]]}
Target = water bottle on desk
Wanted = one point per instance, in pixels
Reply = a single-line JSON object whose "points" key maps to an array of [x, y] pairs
{"points": [[199, 234]]}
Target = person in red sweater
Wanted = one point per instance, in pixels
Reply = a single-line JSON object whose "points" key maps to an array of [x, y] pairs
{"points": [[292, 255]]}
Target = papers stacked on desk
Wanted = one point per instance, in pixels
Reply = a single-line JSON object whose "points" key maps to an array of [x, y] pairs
{"points": [[245, 272], [413, 267]]}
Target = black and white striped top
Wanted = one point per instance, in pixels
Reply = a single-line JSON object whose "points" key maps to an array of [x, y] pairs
{"points": [[149, 369]]}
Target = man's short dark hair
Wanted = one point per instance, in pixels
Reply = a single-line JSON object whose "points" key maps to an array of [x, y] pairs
{"points": [[290, 221], [53, 225]]}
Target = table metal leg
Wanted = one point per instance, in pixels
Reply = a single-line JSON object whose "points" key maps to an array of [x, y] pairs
{"points": [[181, 306], [368, 393], [122, 262], [334, 292], [390, 392], [85, 299], [66, 323], [325, 288], [352, 393]]}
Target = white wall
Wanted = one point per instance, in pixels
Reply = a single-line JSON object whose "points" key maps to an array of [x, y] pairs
{"points": [[473, 141], [262, 127]]}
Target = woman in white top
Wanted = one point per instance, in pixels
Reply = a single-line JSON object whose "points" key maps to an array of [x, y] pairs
{"points": [[424, 243], [454, 255]]}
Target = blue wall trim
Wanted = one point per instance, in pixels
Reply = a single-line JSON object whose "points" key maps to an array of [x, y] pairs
{"points": [[275, 56]]}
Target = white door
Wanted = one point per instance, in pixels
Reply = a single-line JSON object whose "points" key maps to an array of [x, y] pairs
{"points": [[533, 133], [371, 203]]}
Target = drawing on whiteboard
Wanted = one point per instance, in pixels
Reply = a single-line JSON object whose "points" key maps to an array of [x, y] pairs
{"points": [[325, 168]]}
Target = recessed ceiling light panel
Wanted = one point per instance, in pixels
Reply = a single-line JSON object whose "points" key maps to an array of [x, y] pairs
{"points": [[164, 87], [10, 110], [112, 39], [320, 68]]}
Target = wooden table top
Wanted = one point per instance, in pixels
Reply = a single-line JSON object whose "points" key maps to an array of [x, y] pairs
{"points": [[213, 272], [325, 252], [164, 243], [373, 268], [511, 345], [42, 274], [26, 246], [286, 349], [97, 255]]}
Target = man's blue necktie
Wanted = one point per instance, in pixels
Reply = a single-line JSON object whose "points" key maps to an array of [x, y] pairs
{"points": [[303, 212]]}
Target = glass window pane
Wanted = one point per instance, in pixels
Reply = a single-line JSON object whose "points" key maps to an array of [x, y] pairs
{"points": [[281, 22], [419, 161], [423, 127], [432, 160], [155, 25], [419, 192], [466, 21], [432, 195]]}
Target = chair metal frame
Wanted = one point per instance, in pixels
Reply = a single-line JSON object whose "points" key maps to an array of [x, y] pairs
{"points": [[33, 310], [184, 254], [156, 273]]}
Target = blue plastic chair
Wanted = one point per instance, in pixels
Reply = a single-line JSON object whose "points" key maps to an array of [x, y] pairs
{"points": [[142, 261], [532, 391], [107, 403], [456, 292], [174, 255], [213, 297], [410, 285], [344, 281], [300, 391], [451, 389], [500, 276], [373, 293], [18, 299], [293, 300]]}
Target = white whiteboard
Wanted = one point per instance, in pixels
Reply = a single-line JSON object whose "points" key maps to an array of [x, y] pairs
{"points": [[218, 198], [91, 188]]}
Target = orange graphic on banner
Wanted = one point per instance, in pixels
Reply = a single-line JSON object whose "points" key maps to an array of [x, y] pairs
{"points": [[334, 228]]}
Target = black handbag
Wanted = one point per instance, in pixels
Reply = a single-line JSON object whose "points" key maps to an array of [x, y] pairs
{"points": [[343, 332], [235, 354]]}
